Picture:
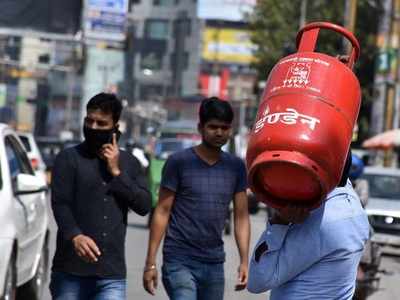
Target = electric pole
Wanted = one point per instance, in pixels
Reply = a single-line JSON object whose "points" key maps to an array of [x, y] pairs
{"points": [[303, 13], [392, 78], [350, 20]]}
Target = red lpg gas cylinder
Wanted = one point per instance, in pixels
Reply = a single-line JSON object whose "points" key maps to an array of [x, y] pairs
{"points": [[299, 142]]}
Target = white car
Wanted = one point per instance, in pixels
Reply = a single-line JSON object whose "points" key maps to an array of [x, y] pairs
{"points": [[24, 233], [33, 153], [383, 206]]}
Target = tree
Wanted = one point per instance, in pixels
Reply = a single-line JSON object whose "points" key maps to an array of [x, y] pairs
{"points": [[274, 25]]}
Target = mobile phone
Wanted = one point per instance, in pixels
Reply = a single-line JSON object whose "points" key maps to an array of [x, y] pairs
{"points": [[117, 132]]}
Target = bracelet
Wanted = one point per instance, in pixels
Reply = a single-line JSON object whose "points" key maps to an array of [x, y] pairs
{"points": [[149, 268]]}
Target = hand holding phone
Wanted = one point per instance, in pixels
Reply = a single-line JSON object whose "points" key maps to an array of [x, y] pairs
{"points": [[110, 153]]}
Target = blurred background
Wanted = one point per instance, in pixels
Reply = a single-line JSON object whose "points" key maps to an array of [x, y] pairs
{"points": [[163, 56]]}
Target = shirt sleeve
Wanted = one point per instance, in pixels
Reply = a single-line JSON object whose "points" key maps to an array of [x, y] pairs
{"points": [[62, 196], [170, 174], [131, 186], [281, 254], [241, 184]]}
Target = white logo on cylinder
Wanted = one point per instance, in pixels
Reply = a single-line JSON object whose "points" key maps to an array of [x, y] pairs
{"points": [[298, 75], [289, 117]]}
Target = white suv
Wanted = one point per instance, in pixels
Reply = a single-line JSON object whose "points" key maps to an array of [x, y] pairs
{"points": [[24, 231]]}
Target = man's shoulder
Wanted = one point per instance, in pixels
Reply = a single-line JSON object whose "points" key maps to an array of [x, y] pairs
{"points": [[343, 205], [69, 151], [233, 160], [182, 155], [125, 154], [67, 157], [128, 157]]}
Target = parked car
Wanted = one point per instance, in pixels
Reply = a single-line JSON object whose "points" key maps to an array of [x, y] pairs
{"points": [[24, 233], [33, 152], [383, 206]]}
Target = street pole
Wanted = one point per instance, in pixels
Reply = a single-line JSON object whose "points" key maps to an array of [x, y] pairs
{"points": [[396, 113], [393, 78], [350, 20], [70, 98], [381, 77], [130, 75], [179, 52], [71, 74], [104, 70], [303, 13]]}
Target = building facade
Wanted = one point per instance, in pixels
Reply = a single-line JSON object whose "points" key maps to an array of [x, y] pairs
{"points": [[185, 47]]}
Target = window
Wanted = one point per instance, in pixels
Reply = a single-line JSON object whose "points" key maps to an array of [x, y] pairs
{"points": [[383, 186], [25, 141], [165, 2], [156, 29], [13, 162], [184, 24], [151, 61], [17, 160], [184, 61]]}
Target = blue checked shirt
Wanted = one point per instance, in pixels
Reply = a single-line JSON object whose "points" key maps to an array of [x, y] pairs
{"points": [[317, 259]]}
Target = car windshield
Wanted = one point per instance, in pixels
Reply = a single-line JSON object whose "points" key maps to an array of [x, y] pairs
{"points": [[166, 147], [383, 186]]}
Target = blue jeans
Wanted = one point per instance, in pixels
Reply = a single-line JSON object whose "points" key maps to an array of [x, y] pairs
{"points": [[188, 279], [65, 286]]}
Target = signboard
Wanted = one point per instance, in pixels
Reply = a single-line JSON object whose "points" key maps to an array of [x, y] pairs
{"points": [[228, 10], [106, 19], [225, 45], [215, 85]]}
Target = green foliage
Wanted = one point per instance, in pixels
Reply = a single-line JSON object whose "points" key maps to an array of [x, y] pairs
{"points": [[274, 25]]}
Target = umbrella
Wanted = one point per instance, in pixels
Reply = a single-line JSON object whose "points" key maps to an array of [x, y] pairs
{"points": [[385, 140]]}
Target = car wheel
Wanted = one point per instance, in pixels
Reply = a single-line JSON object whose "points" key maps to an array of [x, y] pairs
{"points": [[10, 290], [33, 289]]}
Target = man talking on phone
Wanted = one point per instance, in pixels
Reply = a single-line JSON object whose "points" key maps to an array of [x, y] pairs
{"points": [[94, 185]]}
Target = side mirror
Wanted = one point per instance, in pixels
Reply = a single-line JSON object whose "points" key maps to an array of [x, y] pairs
{"points": [[29, 184]]}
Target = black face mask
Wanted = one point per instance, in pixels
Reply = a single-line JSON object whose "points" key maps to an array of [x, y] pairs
{"points": [[96, 138]]}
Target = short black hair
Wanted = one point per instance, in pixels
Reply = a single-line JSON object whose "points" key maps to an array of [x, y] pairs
{"points": [[215, 108], [107, 103]]}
